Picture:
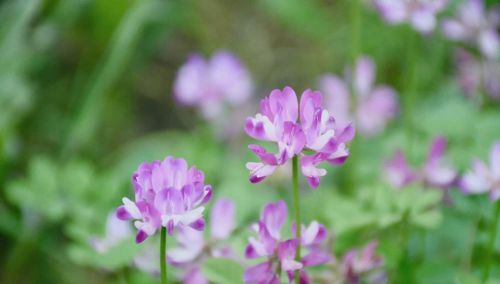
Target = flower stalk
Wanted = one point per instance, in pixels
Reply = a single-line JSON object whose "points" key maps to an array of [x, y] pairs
{"points": [[163, 255], [296, 202]]}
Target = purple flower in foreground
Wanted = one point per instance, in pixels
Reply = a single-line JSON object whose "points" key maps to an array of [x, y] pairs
{"points": [[436, 172], [317, 131], [473, 24], [279, 253], [363, 266], [481, 178], [167, 193], [475, 75], [375, 105], [421, 14], [210, 85], [192, 248]]}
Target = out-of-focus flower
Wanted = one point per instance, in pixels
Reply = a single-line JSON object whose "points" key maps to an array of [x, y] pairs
{"points": [[436, 172], [481, 178], [192, 248], [279, 253], [317, 131], [473, 24], [372, 106], [211, 85], [475, 76], [167, 193], [421, 14], [398, 172], [312, 241], [148, 260], [363, 266], [116, 232]]}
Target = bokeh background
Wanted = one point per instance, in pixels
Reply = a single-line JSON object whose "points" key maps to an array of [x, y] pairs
{"points": [[86, 95]]}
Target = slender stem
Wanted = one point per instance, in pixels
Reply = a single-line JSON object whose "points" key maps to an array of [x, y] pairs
{"points": [[163, 255], [355, 30], [296, 201], [491, 243]]}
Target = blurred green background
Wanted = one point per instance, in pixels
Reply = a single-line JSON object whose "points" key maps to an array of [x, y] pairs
{"points": [[86, 95]]}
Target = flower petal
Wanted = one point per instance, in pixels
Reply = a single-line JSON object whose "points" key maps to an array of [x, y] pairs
{"points": [[364, 76], [222, 219], [274, 216]]}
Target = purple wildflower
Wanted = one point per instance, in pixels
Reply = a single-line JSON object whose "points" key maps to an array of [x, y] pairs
{"points": [[167, 193], [316, 131], [436, 171], [473, 24], [210, 85], [363, 266], [481, 178], [375, 105], [421, 14], [192, 248], [279, 253]]}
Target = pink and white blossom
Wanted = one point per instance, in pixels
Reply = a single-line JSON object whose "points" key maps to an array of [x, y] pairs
{"points": [[168, 194], [279, 253], [315, 131]]}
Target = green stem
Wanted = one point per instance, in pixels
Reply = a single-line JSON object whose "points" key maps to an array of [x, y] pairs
{"points": [[355, 30], [404, 273], [296, 201], [163, 255], [491, 243]]}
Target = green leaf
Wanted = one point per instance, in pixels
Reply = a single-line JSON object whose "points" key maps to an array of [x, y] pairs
{"points": [[305, 16], [448, 114], [223, 271]]}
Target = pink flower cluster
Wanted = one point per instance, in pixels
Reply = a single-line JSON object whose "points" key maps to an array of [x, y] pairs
{"points": [[280, 253], [211, 85], [472, 24], [476, 75], [167, 193], [483, 178], [363, 266], [436, 172], [372, 106], [316, 131], [421, 14]]}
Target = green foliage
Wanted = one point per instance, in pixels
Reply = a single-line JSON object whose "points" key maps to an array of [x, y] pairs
{"points": [[86, 96], [383, 207], [40, 190], [223, 271]]}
